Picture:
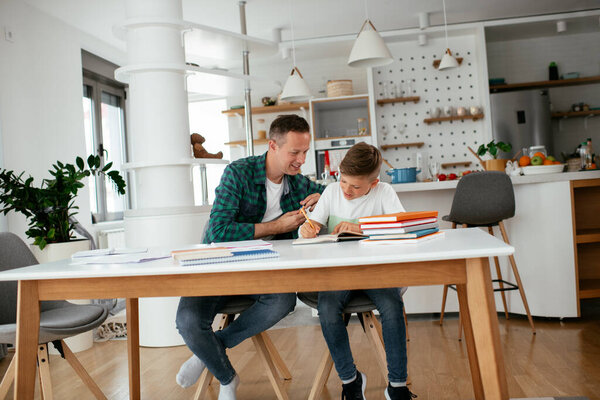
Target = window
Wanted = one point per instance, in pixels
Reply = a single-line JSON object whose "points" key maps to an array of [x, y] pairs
{"points": [[104, 128]]}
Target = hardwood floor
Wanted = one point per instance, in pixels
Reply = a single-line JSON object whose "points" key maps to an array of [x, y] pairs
{"points": [[561, 360]]}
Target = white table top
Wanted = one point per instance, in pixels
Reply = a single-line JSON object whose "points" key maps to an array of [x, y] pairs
{"points": [[457, 244]]}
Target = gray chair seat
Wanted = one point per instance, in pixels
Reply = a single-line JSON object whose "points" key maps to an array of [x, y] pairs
{"points": [[359, 301], [60, 323]]}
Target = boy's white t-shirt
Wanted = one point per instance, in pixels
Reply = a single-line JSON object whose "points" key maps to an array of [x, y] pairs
{"points": [[334, 208]]}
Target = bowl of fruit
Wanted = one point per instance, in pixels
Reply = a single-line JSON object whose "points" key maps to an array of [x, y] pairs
{"points": [[540, 164]]}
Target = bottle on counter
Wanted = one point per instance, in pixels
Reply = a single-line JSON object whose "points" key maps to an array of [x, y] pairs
{"points": [[553, 71], [589, 160]]}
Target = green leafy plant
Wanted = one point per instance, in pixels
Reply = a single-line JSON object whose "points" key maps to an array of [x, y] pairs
{"points": [[492, 149], [48, 208]]}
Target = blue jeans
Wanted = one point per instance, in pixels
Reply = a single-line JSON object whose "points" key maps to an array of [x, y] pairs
{"points": [[195, 316], [390, 306]]}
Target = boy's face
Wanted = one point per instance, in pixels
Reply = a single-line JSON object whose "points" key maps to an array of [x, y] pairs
{"points": [[354, 187]]}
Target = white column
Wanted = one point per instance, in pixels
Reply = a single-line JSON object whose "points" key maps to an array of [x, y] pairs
{"points": [[159, 134]]}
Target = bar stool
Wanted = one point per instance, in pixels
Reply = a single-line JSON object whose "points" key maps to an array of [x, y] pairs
{"points": [[363, 307], [485, 199], [264, 347]]}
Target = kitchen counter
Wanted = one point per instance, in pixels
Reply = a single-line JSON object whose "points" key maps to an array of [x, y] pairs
{"points": [[517, 180], [541, 232]]}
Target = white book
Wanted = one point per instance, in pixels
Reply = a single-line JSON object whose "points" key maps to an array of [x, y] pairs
{"points": [[400, 242], [408, 229]]}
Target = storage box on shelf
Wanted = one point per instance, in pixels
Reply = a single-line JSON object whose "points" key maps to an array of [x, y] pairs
{"points": [[586, 231]]}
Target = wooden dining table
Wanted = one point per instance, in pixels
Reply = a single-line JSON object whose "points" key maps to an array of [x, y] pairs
{"points": [[460, 257]]}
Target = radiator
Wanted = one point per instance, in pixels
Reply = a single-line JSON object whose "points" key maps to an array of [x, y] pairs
{"points": [[111, 238]]}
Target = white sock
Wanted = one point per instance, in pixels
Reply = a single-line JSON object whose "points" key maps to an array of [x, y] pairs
{"points": [[227, 392], [190, 371], [397, 384], [345, 382]]}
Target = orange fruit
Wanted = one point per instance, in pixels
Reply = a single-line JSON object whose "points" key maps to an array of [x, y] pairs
{"points": [[524, 161], [548, 162], [593, 166], [556, 162], [539, 153]]}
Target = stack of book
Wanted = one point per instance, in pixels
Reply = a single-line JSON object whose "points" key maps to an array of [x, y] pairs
{"points": [[225, 253], [401, 228]]}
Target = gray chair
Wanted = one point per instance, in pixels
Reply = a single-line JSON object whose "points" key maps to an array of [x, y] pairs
{"points": [[264, 347], [361, 305], [58, 320], [485, 199]]}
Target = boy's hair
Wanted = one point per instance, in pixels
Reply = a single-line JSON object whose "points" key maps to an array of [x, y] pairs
{"points": [[285, 123], [362, 160]]}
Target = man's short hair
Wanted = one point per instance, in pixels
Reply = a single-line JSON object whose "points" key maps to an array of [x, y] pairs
{"points": [[285, 123], [362, 160]]}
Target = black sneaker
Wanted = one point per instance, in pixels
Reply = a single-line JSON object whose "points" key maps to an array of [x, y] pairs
{"points": [[398, 393], [355, 390]]}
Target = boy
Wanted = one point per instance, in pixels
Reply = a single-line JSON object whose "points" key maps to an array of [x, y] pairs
{"points": [[359, 193]]}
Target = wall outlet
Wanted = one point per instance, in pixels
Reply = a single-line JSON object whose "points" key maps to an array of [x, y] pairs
{"points": [[9, 34]]}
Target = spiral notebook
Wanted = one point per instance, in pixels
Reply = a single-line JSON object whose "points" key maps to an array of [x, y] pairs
{"points": [[234, 256]]}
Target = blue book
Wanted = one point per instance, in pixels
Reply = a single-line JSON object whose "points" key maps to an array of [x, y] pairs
{"points": [[411, 235], [234, 256]]}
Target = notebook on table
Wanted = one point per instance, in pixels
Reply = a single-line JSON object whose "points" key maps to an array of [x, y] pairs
{"points": [[399, 242], [234, 255], [340, 236], [408, 229], [397, 217], [411, 235]]}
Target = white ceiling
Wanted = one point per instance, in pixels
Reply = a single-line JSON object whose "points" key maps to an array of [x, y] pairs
{"points": [[312, 18]]}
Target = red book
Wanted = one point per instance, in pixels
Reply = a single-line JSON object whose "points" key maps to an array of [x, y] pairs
{"points": [[397, 217], [401, 224]]}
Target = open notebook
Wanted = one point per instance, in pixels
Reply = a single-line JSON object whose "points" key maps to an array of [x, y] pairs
{"points": [[344, 235]]}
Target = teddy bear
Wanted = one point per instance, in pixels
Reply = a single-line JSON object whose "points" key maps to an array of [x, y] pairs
{"points": [[199, 150]]}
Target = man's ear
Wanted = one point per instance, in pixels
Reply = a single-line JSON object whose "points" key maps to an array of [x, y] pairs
{"points": [[273, 145]]}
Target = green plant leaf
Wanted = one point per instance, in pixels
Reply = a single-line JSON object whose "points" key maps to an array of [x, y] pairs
{"points": [[107, 167], [80, 163]]}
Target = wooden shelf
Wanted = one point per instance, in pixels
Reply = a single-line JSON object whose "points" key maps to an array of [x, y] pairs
{"points": [[589, 288], [436, 63], [268, 109], [342, 137], [453, 118], [243, 142], [392, 146], [588, 236], [568, 114], [456, 164], [414, 99], [544, 84]]}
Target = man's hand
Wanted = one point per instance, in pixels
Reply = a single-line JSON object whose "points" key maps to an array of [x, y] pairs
{"points": [[310, 201], [289, 221], [346, 226], [307, 231]]}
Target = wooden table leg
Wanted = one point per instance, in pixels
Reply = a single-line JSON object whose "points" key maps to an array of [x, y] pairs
{"points": [[133, 348], [486, 335], [469, 341], [28, 327]]}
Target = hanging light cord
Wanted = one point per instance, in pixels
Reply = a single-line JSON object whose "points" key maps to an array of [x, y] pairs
{"points": [[292, 27], [366, 10], [445, 23]]}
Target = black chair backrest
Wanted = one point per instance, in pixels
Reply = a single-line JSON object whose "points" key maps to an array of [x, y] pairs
{"points": [[13, 254], [483, 198]]}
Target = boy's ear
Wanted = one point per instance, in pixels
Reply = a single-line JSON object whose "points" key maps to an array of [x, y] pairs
{"points": [[374, 183]]}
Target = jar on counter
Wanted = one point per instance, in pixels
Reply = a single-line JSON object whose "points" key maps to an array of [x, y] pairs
{"points": [[537, 149], [361, 125], [261, 129]]}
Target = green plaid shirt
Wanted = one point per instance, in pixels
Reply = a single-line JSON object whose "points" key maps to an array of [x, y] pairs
{"points": [[241, 200]]}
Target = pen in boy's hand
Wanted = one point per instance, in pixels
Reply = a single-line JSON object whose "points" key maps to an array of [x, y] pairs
{"points": [[306, 216]]}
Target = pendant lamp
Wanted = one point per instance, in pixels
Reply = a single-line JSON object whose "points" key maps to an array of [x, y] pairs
{"points": [[369, 50], [295, 88], [448, 60]]}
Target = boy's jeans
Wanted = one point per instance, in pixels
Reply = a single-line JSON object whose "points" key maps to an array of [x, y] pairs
{"points": [[194, 320], [390, 306]]}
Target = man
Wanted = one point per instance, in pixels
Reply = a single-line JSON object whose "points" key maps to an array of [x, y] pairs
{"points": [[258, 197]]}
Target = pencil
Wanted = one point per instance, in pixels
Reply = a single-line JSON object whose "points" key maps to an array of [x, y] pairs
{"points": [[306, 216]]}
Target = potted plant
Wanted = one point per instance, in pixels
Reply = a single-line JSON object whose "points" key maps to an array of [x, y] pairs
{"points": [[50, 207], [492, 148]]}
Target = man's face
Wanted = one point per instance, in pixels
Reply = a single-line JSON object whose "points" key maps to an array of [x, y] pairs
{"points": [[354, 187], [290, 155]]}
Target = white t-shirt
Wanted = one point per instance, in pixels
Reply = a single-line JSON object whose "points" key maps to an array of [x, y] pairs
{"points": [[334, 208], [274, 192]]}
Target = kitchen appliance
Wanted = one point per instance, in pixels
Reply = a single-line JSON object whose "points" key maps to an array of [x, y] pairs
{"points": [[522, 118]]}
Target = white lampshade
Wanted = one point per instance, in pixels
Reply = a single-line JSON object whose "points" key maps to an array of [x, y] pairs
{"points": [[295, 88], [448, 61], [369, 50]]}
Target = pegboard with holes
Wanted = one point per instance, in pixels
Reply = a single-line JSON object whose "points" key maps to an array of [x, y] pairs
{"points": [[412, 74]]}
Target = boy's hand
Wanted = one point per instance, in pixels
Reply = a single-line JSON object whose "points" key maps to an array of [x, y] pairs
{"points": [[307, 231], [310, 201], [346, 226]]}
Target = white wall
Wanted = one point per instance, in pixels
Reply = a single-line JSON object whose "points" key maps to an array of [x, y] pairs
{"points": [[41, 114], [528, 59]]}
